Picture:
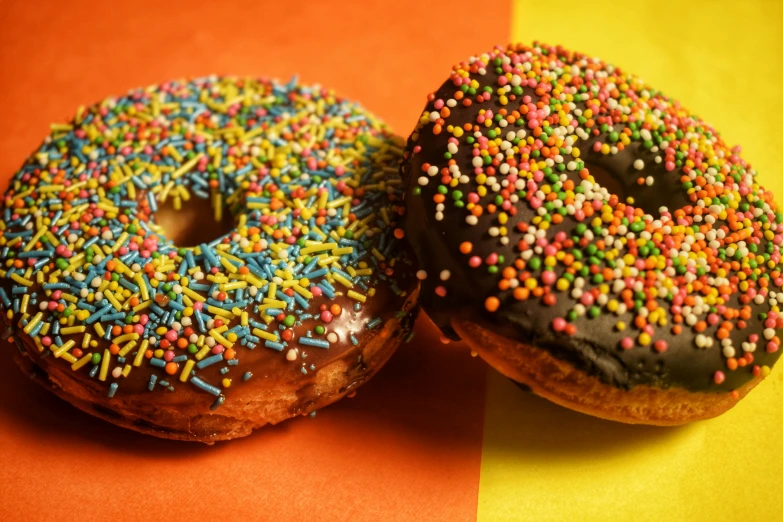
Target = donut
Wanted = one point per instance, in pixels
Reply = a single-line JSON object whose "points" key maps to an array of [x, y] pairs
{"points": [[298, 300], [591, 239]]}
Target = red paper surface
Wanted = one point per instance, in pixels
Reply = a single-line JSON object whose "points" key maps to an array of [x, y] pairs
{"points": [[408, 447]]}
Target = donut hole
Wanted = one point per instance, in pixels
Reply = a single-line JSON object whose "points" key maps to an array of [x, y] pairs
{"points": [[608, 181], [619, 177], [194, 223]]}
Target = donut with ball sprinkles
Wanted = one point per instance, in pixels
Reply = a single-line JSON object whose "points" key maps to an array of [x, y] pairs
{"points": [[575, 225], [302, 301]]}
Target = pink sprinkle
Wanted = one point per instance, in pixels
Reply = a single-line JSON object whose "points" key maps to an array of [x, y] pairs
{"points": [[549, 278], [719, 377], [772, 347], [626, 343], [661, 346], [440, 291], [558, 324], [474, 262]]}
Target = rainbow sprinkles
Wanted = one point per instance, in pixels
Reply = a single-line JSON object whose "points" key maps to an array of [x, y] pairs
{"points": [[310, 178]]}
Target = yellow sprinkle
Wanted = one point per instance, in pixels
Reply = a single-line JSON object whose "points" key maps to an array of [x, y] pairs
{"points": [[34, 239], [193, 295], [357, 296], [342, 280], [125, 337], [105, 365], [219, 311], [142, 305], [303, 292], [264, 334], [228, 265], [272, 303], [189, 364], [73, 330], [142, 286], [203, 353], [113, 300], [99, 328], [186, 166], [126, 370], [128, 348], [58, 351], [81, 362], [140, 354], [33, 323], [21, 280], [120, 241], [317, 248]]}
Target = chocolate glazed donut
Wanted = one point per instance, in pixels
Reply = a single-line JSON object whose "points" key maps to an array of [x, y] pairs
{"points": [[207, 333], [591, 239]]}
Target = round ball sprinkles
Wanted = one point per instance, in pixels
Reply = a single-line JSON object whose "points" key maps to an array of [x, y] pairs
{"points": [[505, 164], [311, 180]]}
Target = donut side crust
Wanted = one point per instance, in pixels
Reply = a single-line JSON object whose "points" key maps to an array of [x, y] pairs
{"points": [[563, 384], [237, 418]]}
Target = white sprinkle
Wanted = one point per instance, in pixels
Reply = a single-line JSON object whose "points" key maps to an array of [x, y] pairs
{"points": [[638, 164]]}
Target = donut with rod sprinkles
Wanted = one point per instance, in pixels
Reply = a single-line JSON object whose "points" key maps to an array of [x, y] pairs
{"points": [[300, 302], [591, 238]]}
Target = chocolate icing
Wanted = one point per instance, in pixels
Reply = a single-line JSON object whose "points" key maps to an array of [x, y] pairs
{"points": [[595, 347]]}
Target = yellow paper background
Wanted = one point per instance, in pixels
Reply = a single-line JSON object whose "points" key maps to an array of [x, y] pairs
{"points": [[722, 60]]}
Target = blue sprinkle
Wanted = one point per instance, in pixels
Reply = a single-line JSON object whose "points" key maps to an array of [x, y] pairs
{"points": [[209, 361], [205, 386], [274, 345], [318, 343], [375, 322]]}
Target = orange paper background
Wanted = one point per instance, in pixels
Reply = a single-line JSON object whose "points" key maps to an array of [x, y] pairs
{"points": [[409, 445]]}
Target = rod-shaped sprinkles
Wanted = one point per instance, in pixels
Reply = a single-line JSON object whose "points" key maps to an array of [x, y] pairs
{"points": [[310, 178]]}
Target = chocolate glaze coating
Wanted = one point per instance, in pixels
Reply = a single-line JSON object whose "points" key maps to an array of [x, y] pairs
{"points": [[595, 348]]}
